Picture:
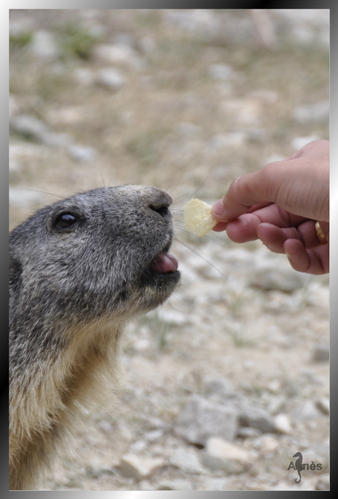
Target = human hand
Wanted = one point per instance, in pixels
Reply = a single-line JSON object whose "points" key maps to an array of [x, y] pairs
{"points": [[279, 204]]}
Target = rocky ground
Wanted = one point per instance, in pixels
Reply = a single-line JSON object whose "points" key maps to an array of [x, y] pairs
{"points": [[224, 383]]}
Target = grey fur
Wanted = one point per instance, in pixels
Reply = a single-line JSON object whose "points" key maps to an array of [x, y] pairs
{"points": [[71, 292]]}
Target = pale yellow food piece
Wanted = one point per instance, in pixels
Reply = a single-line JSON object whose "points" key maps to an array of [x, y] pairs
{"points": [[198, 218]]}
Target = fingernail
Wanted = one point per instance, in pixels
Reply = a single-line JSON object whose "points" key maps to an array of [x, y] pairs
{"points": [[218, 210]]}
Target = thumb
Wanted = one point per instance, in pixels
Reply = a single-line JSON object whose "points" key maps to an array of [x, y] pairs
{"points": [[244, 193]]}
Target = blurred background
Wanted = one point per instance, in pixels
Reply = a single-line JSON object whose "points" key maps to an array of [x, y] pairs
{"points": [[186, 100]]}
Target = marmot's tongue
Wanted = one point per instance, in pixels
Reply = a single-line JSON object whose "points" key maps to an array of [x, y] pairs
{"points": [[164, 263]]}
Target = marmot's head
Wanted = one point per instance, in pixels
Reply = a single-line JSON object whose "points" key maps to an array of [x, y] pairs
{"points": [[101, 253]]}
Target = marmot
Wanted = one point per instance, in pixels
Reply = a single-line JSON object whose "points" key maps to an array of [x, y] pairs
{"points": [[79, 270]]}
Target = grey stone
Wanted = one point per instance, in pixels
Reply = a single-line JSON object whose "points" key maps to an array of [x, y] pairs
{"points": [[255, 417], [28, 126], [220, 386], [82, 154], [220, 71], [174, 485], [226, 456], [323, 405], [110, 78], [55, 139], [44, 45], [117, 54], [282, 423], [185, 461], [24, 197], [312, 112], [201, 419], [321, 352], [139, 467], [305, 411], [271, 275]]}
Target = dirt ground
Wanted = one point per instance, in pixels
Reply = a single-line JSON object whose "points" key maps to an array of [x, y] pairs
{"points": [[185, 100]]}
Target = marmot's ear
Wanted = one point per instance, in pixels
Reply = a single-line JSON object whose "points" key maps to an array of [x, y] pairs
{"points": [[15, 270]]}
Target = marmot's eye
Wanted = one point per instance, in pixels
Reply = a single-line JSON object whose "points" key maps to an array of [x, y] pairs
{"points": [[65, 221]]}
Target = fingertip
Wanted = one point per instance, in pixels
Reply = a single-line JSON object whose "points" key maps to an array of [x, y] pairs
{"points": [[217, 211], [220, 226]]}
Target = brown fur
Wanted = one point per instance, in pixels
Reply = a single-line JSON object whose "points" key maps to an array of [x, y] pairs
{"points": [[66, 323]]}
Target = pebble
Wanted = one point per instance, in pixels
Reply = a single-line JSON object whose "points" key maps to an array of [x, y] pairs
{"points": [[323, 405], [29, 126], [44, 45], [24, 197], [321, 353], [139, 467], [305, 410], [83, 154], [171, 316], [255, 417], [13, 106], [223, 141], [312, 112], [110, 78], [55, 139], [186, 461], [220, 71], [117, 53], [270, 275], [282, 423], [219, 386], [266, 443], [34, 129], [174, 485], [201, 419], [229, 457]]}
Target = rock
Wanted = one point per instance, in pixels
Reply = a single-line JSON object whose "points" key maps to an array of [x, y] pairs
{"points": [[55, 139], [153, 435], [13, 106], [174, 485], [186, 461], [229, 457], [266, 444], [313, 112], [305, 411], [84, 76], [247, 432], [220, 71], [223, 141], [321, 353], [32, 128], [323, 483], [270, 275], [171, 316], [213, 484], [282, 423], [138, 467], [219, 386], [118, 53], [110, 78], [323, 405], [24, 197], [82, 154], [201, 419], [29, 126], [256, 417], [44, 45], [187, 129]]}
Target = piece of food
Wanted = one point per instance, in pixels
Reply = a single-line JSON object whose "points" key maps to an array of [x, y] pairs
{"points": [[198, 218]]}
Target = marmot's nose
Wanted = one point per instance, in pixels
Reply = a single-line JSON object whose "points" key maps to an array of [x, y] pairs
{"points": [[159, 201]]}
